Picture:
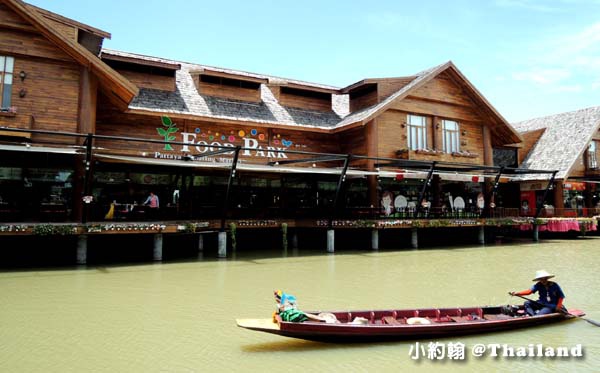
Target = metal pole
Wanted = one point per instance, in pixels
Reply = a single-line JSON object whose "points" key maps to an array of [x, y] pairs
{"points": [[541, 202], [494, 191], [339, 187], [229, 182], [87, 178], [424, 189]]}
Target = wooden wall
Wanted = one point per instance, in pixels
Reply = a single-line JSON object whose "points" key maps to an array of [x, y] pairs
{"points": [[223, 91], [112, 123], [69, 31], [144, 80], [387, 87], [302, 102], [51, 87], [362, 102], [437, 100]]}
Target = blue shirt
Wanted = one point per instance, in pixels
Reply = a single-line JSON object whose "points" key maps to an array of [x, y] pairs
{"points": [[548, 295]]}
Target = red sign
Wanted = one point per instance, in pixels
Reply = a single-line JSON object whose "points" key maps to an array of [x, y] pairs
{"points": [[574, 186]]}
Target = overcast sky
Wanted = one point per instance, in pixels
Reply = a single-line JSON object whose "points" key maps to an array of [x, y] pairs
{"points": [[528, 58]]}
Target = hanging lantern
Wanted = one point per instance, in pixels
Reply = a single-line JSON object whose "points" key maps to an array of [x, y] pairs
{"points": [[475, 179]]}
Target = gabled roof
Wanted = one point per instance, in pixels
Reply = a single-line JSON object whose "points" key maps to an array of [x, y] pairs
{"points": [[112, 83], [566, 137], [498, 124], [69, 21]]}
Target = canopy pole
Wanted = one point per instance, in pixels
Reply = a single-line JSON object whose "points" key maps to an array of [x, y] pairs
{"points": [[232, 172], [87, 177], [340, 184], [539, 205], [424, 189], [494, 191]]}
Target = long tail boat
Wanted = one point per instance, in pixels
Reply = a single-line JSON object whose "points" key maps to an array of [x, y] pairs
{"points": [[382, 325]]}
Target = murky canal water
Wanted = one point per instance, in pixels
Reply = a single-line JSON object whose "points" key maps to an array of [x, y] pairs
{"points": [[180, 317]]}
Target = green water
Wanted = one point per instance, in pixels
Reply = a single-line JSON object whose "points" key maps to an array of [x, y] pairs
{"points": [[181, 317]]}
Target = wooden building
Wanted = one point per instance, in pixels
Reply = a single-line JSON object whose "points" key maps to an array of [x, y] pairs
{"points": [[89, 132], [568, 143]]}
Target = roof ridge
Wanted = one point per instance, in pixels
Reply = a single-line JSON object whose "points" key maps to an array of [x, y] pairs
{"points": [[559, 114]]}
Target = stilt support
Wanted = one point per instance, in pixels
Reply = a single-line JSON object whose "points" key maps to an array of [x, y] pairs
{"points": [[82, 249], [158, 247], [375, 239], [414, 238], [222, 251], [481, 236], [330, 241]]}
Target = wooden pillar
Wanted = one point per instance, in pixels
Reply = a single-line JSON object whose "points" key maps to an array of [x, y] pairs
{"points": [[488, 160], [488, 151], [437, 143], [88, 97], [371, 136], [559, 202]]}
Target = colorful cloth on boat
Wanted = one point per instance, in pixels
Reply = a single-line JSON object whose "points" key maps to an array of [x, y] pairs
{"points": [[293, 315], [548, 295]]}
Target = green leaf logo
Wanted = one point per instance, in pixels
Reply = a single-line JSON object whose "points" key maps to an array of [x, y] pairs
{"points": [[166, 133]]}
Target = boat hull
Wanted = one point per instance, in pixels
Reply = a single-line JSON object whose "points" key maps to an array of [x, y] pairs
{"points": [[390, 325]]}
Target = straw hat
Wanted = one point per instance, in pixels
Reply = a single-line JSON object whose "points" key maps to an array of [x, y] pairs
{"points": [[541, 274]]}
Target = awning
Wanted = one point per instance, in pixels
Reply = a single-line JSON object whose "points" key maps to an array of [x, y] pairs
{"points": [[225, 166], [38, 149]]}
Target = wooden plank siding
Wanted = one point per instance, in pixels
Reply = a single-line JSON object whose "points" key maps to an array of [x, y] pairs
{"points": [[10, 20], [111, 123], [51, 97], [223, 91], [389, 86], [437, 100], [364, 101], [69, 31], [145, 80], [302, 102]]}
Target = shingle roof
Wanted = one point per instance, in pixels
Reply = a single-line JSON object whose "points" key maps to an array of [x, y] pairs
{"points": [[566, 137]]}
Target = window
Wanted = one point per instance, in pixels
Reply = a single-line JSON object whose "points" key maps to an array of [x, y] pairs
{"points": [[591, 153], [6, 78], [417, 132], [450, 136]]}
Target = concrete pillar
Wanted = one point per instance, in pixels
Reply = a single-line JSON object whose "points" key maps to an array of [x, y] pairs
{"points": [[200, 242], [536, 232], [330, 241], [295, 240], [82, 249], [414, 238], [158, 247], [222, 250], [375, 239], [481, 236]]}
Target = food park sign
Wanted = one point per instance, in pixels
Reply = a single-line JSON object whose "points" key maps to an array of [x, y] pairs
{"points": [[202, 141]]}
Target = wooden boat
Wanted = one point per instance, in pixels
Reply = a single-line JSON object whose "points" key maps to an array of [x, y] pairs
{"points": [[385, 325]]}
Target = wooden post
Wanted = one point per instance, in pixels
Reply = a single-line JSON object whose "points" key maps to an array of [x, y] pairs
{"points": [[371, 136], [295, 239], [559, 202]]}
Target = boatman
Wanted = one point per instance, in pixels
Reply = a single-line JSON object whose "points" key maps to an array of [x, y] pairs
{"points": [[287, 308], [550, 293]]}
